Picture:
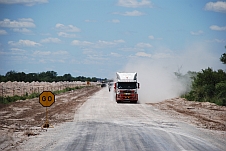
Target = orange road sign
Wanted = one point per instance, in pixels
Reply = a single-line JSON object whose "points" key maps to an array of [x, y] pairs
{"points": [[46, 98]]}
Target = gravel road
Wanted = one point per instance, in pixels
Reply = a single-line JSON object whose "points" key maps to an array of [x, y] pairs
{"points": [[101, 124]]}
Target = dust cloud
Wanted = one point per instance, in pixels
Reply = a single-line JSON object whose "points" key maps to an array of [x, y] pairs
{"points": [[157, 83], [156, 74]]}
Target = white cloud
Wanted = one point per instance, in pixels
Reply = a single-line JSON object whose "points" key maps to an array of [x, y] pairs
{"points": [[143, 54], [143, 45], [89, 51], [138, 47], [22, 30], [114, 21], [89, 21], [220, 41], [133, 13], [60, 52], [98, 44], [129, 49], [115, 54], [151, 37], [42, 53], [3, 32], [161, 53], [111, 42], [81, 43], [47, 53], [69, 28], [96, 57], [196, 33], [215, 27], [23, 2], [17, 50], [218, 6], [66, 35], [20, 23], [51, 40], [26, 43], [134, 3], [102, 43], [119, 41]]}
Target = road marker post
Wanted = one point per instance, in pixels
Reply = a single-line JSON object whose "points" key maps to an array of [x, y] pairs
{"points": [[46, 99]]}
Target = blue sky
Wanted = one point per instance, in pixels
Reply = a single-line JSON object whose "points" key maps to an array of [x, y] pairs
{"points": [[99, 37]]}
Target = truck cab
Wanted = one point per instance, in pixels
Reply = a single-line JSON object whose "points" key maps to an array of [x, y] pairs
{"points": [[126, 86]]}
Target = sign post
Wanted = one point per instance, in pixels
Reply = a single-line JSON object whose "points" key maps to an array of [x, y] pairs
{"points": [[46, 99]]}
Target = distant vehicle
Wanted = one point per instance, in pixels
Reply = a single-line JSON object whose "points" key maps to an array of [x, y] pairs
{"points": [[126, 87], [103, 84]]}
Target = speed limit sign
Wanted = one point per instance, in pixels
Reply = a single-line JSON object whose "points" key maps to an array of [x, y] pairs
{"points": [[46, 98]]}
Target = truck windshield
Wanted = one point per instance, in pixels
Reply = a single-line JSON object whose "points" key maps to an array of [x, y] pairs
{"points": [[127, 85]]}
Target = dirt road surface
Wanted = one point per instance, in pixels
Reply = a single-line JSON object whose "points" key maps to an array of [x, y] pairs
{"points": [[102, 124]]}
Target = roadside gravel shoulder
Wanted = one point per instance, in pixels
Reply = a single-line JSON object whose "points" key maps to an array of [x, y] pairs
{"points": [[202, 114]]}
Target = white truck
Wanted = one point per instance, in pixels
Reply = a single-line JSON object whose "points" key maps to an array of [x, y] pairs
{"points": [[126, 86]]}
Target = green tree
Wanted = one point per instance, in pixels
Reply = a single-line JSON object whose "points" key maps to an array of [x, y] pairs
{"points": [[11, 75], [223, 58], [31, 77], [209, 86], [20, 76], [67, 77], [48, 76], [94, 79]]}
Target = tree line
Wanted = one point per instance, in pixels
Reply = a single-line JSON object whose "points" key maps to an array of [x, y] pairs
{"points": [[48, 76], [208, 85]]}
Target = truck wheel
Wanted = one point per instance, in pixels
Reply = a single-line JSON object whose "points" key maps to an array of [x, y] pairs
{"points": [[135, 102]]}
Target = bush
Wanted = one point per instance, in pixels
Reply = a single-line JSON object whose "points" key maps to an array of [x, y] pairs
{"points": [[209, 86]]}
